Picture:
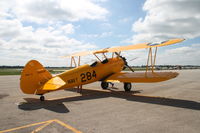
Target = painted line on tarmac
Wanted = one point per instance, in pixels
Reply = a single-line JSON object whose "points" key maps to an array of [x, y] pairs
{"points": [[26, 126], [67, 126], [41, 127], [44, 124]]}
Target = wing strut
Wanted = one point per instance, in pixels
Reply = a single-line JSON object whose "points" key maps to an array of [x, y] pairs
{"points": [[76, 64], [73, 62], [151, 59]]}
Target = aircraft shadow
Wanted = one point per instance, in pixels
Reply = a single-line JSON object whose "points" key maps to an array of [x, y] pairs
{"points": [[3, 96], [57, 105], [34, 104]]}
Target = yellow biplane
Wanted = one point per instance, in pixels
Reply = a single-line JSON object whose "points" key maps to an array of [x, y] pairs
{"points": [[35, 79]]}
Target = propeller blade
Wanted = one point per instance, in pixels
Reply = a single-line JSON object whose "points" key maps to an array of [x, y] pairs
{"points": [[129, 68], [125, 62], [134, 59]]}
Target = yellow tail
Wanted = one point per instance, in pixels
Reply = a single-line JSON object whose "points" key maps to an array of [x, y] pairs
{"points": [[33, 76]]}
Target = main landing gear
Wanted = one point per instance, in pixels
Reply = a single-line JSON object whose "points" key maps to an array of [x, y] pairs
{"points": [[42, 98], [127, 86], [104, 85]]}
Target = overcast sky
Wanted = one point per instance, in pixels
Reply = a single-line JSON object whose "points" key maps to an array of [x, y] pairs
{"points": [[47, 29]]}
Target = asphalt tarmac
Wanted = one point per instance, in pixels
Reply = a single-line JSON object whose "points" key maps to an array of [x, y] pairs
{"points": [[167, 107]]}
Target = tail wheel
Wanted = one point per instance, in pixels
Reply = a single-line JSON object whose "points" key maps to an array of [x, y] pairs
{"points": [[104, 85], [127, 86], [42, 98]]}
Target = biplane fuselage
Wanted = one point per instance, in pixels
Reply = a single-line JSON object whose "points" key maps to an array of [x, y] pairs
{"points": [[81, 75], [86, 74]]}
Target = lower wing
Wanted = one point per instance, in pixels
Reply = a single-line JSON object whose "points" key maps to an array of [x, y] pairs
{"points": [[141, 77]]}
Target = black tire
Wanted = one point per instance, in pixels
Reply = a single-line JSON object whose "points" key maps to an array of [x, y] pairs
{"points": [[127, 86], [104, 85], [42, 98]]}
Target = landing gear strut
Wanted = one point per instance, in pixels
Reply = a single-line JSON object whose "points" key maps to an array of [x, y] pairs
{"points": [[79, 89], [42, 98], [127, 86], [111, 84]]}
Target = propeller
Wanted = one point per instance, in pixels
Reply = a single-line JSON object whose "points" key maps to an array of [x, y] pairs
{"points": [[125, 62], [133, 59]]}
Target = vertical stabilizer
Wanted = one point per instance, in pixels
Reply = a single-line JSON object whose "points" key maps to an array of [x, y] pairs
{"points": [[33, 76]]}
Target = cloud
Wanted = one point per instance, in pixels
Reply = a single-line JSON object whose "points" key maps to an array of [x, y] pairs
{"points": [[68, 28], [48, 36], [102, 35], [100, 0], [184, 55], [167, 19], [22, 43], [9, 28], [47, 11], [190, 53], [46, 40]]}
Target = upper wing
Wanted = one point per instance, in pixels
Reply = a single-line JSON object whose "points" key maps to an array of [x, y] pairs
{"points": [[82, 53], [144, 45], [141, 77], [130, 47]]}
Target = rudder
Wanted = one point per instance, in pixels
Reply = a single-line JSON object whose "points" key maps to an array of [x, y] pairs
{"points": [[33, 76]]}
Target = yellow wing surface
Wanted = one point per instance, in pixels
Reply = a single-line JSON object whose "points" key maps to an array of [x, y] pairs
{"points": [[53, 84], [141, 77], [131, 47], [144, 45]]}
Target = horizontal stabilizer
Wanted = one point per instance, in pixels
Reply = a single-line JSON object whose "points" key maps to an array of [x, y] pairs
{"points": [[53, 84]]}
